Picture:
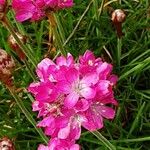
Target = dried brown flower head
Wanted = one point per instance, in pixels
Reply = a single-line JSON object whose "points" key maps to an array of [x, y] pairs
{"points": [[14, 45], [6, 144], [3, 8], [7, 65]]}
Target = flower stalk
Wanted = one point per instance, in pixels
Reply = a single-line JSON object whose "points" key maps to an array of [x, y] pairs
{"points": [[26, 112], [118, 17], [57, 38], [20, 44]]}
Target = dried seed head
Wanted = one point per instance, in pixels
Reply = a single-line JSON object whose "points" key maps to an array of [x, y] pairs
{"points": [[2, 8], [118, 16], [6, 144], [14, 45], [7, 65]]}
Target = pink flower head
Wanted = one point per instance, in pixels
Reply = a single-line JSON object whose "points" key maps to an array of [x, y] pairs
{"points": [[36, 9], [2, 2], [88, 62], [65, 3], [2, 8], [72, 94], [58, 144], [76, 87], [27, 9]]}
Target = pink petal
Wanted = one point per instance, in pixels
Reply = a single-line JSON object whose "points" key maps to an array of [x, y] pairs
{"points": [[71, 100], [22, 15], [33, 87], [43, 67], [104, 70], [82, 105], [64, 132], [47, 121], [88, 93], [90, 79], [35, 106], [72, 75], [94, 121], [103, 87], [42, 147], [61, 61], [107, 112], [63, 86], [75, 131], [109, 100], [2, 2], [75, 147], [88, 55], [70, 59], [113, 79]]}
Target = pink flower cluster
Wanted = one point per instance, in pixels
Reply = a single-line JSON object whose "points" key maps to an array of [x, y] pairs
{"points": [[70, 95], [2, 2], [36, 9]]}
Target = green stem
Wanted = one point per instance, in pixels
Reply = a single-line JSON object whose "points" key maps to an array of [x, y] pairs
{"points": [[59, 42], [30, 71], [78, 23], [119, 47], [57, 37], [104, 140], [27, 113], [133, 140], [20, 44]]}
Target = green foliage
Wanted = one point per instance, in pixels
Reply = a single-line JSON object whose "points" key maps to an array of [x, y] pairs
{"points": [[87, 26]]}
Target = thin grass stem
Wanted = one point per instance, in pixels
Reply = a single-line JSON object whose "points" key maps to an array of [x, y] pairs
{"points": [[20, 44], [104, 140]]}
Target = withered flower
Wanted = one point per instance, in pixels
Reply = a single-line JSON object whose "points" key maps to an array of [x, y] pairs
{"points": [[6, 144], [7, 65], [118, 17], [14, 45], [3, 5]]}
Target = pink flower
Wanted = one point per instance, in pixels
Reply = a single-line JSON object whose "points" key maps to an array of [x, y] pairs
{"points": [[70, 95], [75, 87], [65, 3], [27, 9], [95, 114], [88, 62], [2, 2], [58, 144], [43, 91], [36, 9], [43, 147], [46, 70], [68, 61]]}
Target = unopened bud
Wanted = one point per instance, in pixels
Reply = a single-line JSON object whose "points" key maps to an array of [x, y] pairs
{"points": [[6, 144], [7, 65], [14, 45], [118, 16]]}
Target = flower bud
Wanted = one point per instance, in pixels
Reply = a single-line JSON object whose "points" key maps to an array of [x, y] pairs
{"points": [[118, 16], [14, 45], [7, 65], [6, 144]]}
